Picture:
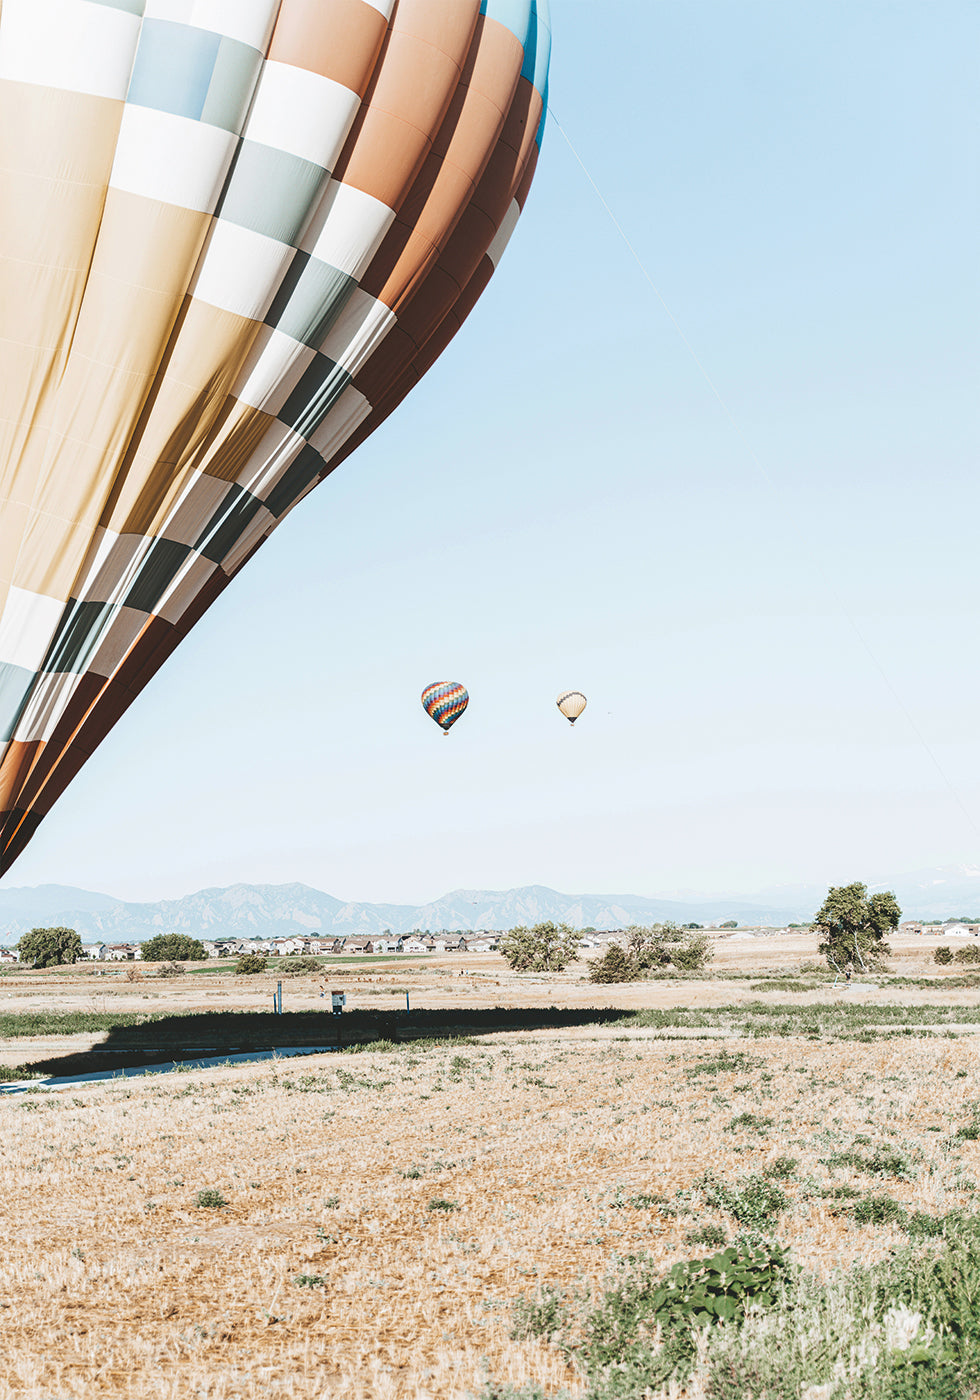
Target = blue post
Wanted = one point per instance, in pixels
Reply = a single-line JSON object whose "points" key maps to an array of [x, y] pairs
{"points": [[279, 995], [408, 1009]]}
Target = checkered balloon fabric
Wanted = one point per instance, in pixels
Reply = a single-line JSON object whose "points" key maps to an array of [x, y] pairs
{"points": [[233, 235]]}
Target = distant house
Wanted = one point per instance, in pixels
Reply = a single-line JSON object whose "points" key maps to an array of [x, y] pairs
{"points": [[415, 944], [7, 955], [95, 952], [359, 945]]}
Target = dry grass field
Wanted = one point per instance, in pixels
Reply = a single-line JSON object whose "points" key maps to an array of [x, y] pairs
{"points": [[369, 1219]]}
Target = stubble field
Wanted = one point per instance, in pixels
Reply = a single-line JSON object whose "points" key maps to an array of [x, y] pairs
{"points": [[362, 1224]]}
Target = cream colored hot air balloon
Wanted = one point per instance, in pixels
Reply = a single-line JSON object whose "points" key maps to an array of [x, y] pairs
{"points": [[233, 235], [571, 703]]}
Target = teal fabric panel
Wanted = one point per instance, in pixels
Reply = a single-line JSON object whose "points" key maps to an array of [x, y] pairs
{"points": [[271, 192], [232, 84], [15, 685], [173, 68], [312, 296]]}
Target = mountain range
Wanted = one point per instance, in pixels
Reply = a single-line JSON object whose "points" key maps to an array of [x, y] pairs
{"points": [[242, 911]]}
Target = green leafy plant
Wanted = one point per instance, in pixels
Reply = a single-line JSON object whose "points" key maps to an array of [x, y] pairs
{"points": [[544, 1315], [615, 965], [437, 1203], [546, 947], [250, 963], [754, 1202], [210, 1200], [49, 947], [853, 925], [310, 1281], [173, 947]]}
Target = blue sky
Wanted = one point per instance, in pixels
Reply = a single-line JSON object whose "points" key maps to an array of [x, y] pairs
{"points": [[774, 618]]}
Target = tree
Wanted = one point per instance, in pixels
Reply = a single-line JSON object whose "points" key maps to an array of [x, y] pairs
{"points": [[729, 923], [544, 948], [615, 965], [173, 947], [49, 947], [853, 926], [663, 945]]}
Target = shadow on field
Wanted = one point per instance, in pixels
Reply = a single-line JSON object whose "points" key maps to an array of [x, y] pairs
{"points": [[217, 1033]]}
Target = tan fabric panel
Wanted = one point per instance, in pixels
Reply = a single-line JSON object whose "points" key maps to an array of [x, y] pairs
{"points": [[13, 521], [340, 39], [185, 409]]}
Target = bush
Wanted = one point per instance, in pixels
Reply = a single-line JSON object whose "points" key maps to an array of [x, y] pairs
{"points": [[210, 1200], [754, 1203], [171, 969], [969, 954], [615, 965], [173, 947], [295, 967], [943, 956], [662, 945], [251, 962]]}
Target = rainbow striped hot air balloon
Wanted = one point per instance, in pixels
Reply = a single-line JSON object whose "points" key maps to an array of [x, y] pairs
{"points": [[233, 235], [445, 701]]}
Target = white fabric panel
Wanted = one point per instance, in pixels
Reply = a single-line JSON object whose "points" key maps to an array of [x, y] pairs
{"points": [[273, 369], [302, 113], [172, 159], [200, 497], [240, 270], [46, 706], [103, 543], [67, 45], [383, 7], [358, 331], [126, 626], [29, 622], [347, 228], [185, 588], [348, 413], [250, 21], [502, 237]]}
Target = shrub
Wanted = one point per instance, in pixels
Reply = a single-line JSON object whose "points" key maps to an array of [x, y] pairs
{"points": [[437, 1203], [615, 965], [210, 1200], [541, 1316], [877, 1210], [171, 969], [251, 962], [755, 1202], [943, 956], [969, 953], [173, 947], [295, 967]]}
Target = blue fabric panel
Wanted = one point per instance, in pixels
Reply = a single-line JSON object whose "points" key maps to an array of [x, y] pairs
{"points": [[309, 300], [15, 683], [173, 68]]}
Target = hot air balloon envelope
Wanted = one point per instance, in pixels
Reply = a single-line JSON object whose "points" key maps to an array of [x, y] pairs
{"points": [[233, 235], [445, 701], [571, 703]]}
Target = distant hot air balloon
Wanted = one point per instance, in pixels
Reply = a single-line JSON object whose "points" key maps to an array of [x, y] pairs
{"points": [[235, 233], [571, 703], [445, 701]]}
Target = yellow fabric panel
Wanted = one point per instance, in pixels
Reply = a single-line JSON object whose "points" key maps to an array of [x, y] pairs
{"points": [[185, 404], [51, 553], [240, 434]]}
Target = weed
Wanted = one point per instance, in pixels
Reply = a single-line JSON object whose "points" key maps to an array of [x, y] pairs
{"points": [[755, 1202], [310, 1281], [712, 1236], [210, 1200], [780, 1168], [437, 1203], [749, 1122], [877, 1210], [541, 1316]]}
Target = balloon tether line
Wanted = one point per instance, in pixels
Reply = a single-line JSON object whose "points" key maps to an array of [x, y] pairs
{"points": [[770, 482]]}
